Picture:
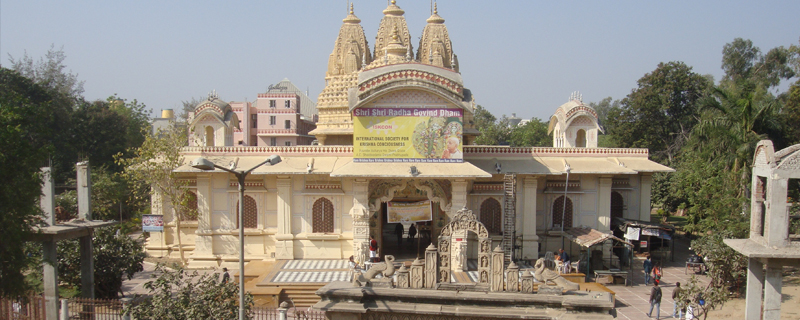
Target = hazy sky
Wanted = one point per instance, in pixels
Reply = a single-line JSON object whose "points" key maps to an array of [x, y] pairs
{"points": [[522, 57]]}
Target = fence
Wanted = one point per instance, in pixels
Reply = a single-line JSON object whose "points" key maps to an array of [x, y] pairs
{"points": [[95, 309], [263, 313], [33, 309]]}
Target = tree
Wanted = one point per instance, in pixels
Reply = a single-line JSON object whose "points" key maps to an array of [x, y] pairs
{"points": [[154, 163], [50, 72], [743, 62], [180, 294], [115, 256], [660, 113], [493, 132], [188, 106], [790, 115], [531, 134], [603, 107], [25, 134]]}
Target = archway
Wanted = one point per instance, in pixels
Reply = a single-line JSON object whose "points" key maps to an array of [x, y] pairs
{"points": [[209, 136], [580, 139], [464, 221]]}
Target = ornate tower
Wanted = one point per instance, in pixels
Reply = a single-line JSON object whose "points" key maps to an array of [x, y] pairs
{"points": [[393, 31], [435, 47], [350, 54]]}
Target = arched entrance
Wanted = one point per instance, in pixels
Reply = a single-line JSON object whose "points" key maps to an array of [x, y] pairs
{"points": [[385, 230], [463, 223]]}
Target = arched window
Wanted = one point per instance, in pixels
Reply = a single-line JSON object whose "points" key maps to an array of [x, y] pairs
{"points": [[209, 136], [190, 212], [322, 220], [580, 140], [250, 213], [558, 209], [491, 215], [617, 205]]}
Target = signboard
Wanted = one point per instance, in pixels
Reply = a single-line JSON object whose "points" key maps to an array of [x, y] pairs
{"points": [[643, 244], [409, 211], [407, 135], [152, 223]]}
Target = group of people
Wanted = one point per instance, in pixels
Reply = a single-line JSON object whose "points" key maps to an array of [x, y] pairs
{"points": [[399, 231], [678, 307]]}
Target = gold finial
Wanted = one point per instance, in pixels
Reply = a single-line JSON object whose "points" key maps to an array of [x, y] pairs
{"points": [[351, 8], [394, 2], [435, 10]]}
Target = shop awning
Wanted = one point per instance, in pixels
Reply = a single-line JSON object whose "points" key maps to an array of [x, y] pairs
{"points": [[587, 237], [403, 170]]}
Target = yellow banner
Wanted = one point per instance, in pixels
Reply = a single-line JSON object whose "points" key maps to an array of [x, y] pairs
{"points": [[407, 135], [409, 211]]}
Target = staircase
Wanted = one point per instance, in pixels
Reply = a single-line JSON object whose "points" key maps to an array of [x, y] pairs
{"points": [[509, 216], [303, 295]]}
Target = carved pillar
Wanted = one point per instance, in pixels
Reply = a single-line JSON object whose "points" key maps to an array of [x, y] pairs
{"points": [[512, 278], [530, 241], [431, 268], [527, 282], [284, 246], [402, 277], [416, 280], [496, 281], [360, 215], [757, 208], [644, 197]]}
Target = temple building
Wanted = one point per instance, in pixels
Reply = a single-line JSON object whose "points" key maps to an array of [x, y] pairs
{"points": [[395, 151]]}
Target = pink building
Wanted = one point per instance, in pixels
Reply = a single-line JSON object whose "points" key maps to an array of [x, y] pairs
{"points": [[282, 116]]}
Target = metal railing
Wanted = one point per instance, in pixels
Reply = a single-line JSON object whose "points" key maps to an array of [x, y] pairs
{"points": [[32, 309]]}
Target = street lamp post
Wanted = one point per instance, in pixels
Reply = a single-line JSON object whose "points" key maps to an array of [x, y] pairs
{"points": [[204, 164], [564, 208]]}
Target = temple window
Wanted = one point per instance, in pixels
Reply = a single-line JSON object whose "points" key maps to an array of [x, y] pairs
{"points": [[209, 136], [287, 104], [580, 140], [617, 205], [273, 141], [288, 124], [288, 143], [250, 213], [322, 220], [491, 216], [189, 212], [272, 103], [272, 120], [559, 209]]}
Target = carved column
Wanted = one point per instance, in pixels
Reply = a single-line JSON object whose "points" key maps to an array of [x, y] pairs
{"points": [[432, 268], [496, 280], [284, 246], [644, 197], [360, 215], [530, 241], [402, 277], [416, 280], [527, 282], [512, 278]]}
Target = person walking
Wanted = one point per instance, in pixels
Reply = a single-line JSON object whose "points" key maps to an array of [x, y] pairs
{"points": [[373, 249], [225, 276], [655, 301], [648, 267], [657, 273], [412, 233], [564, 259], [398, 230], [677, 312]]}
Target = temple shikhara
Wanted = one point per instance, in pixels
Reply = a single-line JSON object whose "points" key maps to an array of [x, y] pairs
{"points": [[388, 151]]}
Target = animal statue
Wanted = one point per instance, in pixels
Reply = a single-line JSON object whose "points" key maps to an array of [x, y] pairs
{"points": [[385, 268], [544, 270]]}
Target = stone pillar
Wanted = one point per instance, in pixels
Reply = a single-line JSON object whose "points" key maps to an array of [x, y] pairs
{"points": [[284, 246], [512, 278], [527, 282], [360, 214], [84, 191], [431, 276], [755, 289], [50, 279], [604, 212], [530, 241], [87, 267], [772, 289], [756, 207], [416, 280], [496, 277], [402, 277], [776, 228], [459, 257], [47, 200], [644, 196], [459, 191]]}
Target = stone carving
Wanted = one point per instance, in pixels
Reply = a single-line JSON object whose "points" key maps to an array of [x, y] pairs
{"points": [[484, 262], [545, 272], [512, 278], [358, 212], [385, 268], [402, 277], [527, 282], [496, 281], [444, 277], [459, 256], [416, 281], [465, 220], [430, 267], [484, 277]]}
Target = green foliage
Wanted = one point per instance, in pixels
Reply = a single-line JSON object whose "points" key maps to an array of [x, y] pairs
{"points": [[743, 62], [50, 72], [493, 132], [115, 257], [660, 113], [603, 107], [531, 134], [713, 297], [180, 294], [789, 115], [24, 141]]}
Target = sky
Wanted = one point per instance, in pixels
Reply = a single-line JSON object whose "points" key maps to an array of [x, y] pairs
{"points": [[517, 57]]}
